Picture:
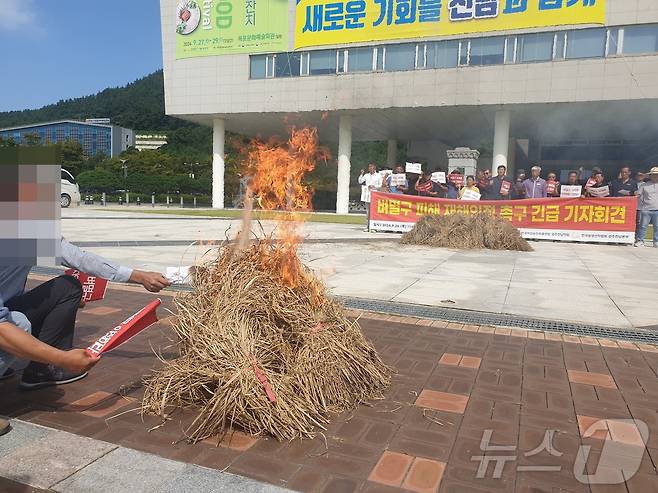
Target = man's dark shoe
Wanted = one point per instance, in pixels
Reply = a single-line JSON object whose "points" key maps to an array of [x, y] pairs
{"points": [[10, 372], [4, 426], [40, 376]]}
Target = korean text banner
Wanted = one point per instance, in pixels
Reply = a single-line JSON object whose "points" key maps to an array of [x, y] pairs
{"points": [[332, 22], [218, 27], [604, 220]]}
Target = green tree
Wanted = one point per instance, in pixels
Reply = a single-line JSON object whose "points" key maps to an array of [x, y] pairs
{"points": [[98, 180], [7, 142], [31, 139], [72, 156]]}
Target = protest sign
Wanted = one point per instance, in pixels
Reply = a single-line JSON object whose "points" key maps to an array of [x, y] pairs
{"points": [[439, 177], [398, 179], [415, 168], [385, 172], [505, 187], [551, 187], [570, 191], [471, 195], [126, 330], [599, 191], [591, 182], [93, 287], [178, 275], [456, 179]]}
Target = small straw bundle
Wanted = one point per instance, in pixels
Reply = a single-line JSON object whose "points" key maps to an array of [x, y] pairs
{"points": [[466, 232], [262, 354]]}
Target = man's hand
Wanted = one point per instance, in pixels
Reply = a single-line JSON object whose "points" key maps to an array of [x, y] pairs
{"points": [[152, 281], [77, 360]]}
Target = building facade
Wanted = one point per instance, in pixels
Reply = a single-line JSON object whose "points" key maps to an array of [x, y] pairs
{"points": [[95, 138], [149, 141], [566, 96]]}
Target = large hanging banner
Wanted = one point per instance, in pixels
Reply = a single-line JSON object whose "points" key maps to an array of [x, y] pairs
{"points": [[219, 27], [604, 220], [331, 22]]}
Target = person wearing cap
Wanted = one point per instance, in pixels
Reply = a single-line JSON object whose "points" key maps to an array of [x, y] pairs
{"points": [[648, 209], [535, 186]]}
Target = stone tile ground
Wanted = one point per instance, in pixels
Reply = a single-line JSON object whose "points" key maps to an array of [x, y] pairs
{"points": [[453, 384]]}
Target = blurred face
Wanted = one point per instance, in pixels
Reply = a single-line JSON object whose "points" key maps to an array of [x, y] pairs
{"points": [[625, 173], [487, 174], [470, 181], [573, 178], [654, 178], [598, 178], [398, 169], [372, 168], [520, 177], [501, 171], [535, 172], [552, 177]]}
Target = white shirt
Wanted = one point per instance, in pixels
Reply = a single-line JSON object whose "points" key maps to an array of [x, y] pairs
{"points": [[368, 182]]}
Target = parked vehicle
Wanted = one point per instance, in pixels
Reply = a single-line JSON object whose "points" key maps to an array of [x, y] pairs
{"points": [[70, 190]]}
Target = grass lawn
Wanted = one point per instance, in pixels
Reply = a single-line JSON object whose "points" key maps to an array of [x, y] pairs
{"points": [[313, 217]]}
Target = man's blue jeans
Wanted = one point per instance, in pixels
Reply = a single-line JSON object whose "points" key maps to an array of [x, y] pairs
{"points": [[646, 218]]}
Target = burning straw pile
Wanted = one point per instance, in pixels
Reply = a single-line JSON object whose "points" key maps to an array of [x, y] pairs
{"points": [[467, 232], [262, 345]]}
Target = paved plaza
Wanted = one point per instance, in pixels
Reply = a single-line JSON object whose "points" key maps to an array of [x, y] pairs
{"points": [[559, 407]]}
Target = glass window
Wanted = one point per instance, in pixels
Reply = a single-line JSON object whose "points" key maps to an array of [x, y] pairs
{"points": [[641, 39], [487, 51], [341, 61], [400, 57], [257, 67], [379, 56], [536, 47], [588, 43], [559, 45], [323, 62], [510, 49], [463, 52], [287, 64], [359, 59], [612, 48], [443, 54]]}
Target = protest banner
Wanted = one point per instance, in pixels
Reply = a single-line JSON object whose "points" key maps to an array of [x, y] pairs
{"points": [[571, 191], [93, 287], [126, 330], [415, 168], [602, 220], [439, 177], [471, 195], [599, 191], [456, 179]]}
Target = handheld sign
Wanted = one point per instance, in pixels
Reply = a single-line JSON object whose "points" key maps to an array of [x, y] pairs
{"points": [[126, 330], [456, 179], [178, 275], [571, 191], [599, 191], [415, 168], [590, 183], [505, 187], [471, 195], [439, 177], [93, 287], [398, 179], [551, 187]]}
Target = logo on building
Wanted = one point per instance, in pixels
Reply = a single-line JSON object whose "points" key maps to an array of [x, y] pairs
{"points": [[188, 16]]}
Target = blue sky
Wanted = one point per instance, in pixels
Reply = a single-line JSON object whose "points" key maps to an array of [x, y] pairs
{"points": [[61, 49]]}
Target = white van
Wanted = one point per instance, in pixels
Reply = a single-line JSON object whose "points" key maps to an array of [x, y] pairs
{"points": [[70, 190]]}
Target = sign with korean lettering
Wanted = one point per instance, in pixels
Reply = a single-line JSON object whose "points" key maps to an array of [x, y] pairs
{"points": [[334, 22], [93, 287], [602, 220], [217, 27]]}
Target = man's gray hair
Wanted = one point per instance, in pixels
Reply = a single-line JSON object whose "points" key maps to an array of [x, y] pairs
{"points": [[538, 168]]}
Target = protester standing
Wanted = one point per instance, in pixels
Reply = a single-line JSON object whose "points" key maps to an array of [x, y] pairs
{"points": [[453, 190], [535, 186], [518, 190], [624, 186], [370, 181], [598, 188], [484, 183], [552, 185], [501, 185], [648, 206], [398, 189], [470, 185], [425, 187]]}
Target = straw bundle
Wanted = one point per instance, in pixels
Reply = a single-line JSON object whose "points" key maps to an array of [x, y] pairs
{"points": [[467, 232], [261, 353]]}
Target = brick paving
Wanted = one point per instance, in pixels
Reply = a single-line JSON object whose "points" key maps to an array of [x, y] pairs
{"points": [[454, 382]]}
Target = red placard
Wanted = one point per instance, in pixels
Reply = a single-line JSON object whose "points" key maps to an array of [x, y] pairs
{"points": [[591, 182], [551, 187], [455, 179], [505, 187], [126, 330], [93, 287], [604, 220]]}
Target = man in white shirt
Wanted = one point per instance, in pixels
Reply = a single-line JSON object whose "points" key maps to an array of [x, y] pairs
{"points": [[648, 209], [369, 181]]}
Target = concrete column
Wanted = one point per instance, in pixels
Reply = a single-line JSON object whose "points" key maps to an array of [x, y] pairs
{"points": [[501, 139], [344, 155], [392, 153], [218, 137]]}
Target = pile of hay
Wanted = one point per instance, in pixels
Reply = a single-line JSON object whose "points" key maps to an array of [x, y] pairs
{"points": [[263, 348], [467, 232]]}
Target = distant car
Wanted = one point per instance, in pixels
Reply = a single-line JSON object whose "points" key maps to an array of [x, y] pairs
{"points": [[70, 190]]}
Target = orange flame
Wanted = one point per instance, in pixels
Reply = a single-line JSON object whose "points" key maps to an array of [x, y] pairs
{"points": [[278, 171]]}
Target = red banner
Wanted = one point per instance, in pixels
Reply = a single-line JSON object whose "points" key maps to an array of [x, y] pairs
{"points": [[604, 220], [93, 287], [126, 330]]}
